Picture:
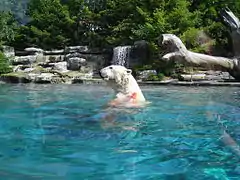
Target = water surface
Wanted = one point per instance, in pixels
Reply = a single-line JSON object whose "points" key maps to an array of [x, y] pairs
{"points": [[63, 132]]}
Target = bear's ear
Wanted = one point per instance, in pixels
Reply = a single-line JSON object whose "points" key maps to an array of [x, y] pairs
{"points": [[129, 71]]}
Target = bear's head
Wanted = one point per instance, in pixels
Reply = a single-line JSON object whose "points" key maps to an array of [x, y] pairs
{"points": [[116, 73]]}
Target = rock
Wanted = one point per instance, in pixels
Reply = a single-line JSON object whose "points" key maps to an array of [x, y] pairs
{"points": [[82, 50], [44, 78], [95, 61], [45, 64], [75, 54], [33, 50], [32, 76], [218, 75], [192, 77], [27, 70], [16, 68], [140, 53], [88, 75], [75, 63], [60, 66], [14, 78], [72, 49], [24, 60], [144, 75], [20, 68], [54, 52], [54, 58]]}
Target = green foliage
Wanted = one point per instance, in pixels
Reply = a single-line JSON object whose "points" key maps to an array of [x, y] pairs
{"points": [[4, 64], [196, 40], [153, 77], [104, 23], [7, 27], [50, 25], [107, 23]]}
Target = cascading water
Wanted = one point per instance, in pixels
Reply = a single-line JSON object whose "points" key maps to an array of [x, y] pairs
{"points": [[121, 55]]}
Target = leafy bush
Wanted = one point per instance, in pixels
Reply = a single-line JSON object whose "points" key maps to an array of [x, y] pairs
{"points": [[4, 64], [154, 77], [160, 76]]}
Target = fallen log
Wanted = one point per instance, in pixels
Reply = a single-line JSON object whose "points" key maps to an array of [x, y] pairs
{"points": [[177, 51]]}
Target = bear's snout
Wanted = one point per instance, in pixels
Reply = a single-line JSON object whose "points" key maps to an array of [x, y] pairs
{"points": [[100, 74]]}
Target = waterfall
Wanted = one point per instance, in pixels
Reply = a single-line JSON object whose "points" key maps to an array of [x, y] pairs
{"points": [[121, 55]]}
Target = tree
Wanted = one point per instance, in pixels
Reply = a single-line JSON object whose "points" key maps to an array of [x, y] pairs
{"points": [[7, 27], [50, 25]]}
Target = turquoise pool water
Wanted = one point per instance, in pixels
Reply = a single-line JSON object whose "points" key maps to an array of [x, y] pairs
{"points": [[63, 132]]}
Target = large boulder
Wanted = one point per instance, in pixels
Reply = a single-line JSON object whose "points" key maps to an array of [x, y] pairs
{"points": [[60, 66], [95, 61], [75, 63], [140, 53]]}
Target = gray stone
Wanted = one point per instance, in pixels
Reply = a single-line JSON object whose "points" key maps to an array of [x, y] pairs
{"points": [[44, 78], [143, 75], [88, 75], [71, 55], [24, 60], [72, 49], [33, 50], [82, 49], [54, 58], [54, 52], [140, 53], [192, 77], [17, 68], [32, 76], [60, 66], [95, 61], [20, 68], [75, 63], [27, 70]]}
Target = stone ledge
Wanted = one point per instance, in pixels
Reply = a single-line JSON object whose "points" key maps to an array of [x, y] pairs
{"points": [[187, 83]]}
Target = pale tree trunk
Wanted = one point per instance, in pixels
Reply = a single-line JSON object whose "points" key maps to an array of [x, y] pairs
{"points": [[176, 50]]}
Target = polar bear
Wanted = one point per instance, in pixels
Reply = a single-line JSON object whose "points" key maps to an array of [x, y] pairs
{"points": [[120, 79]]}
